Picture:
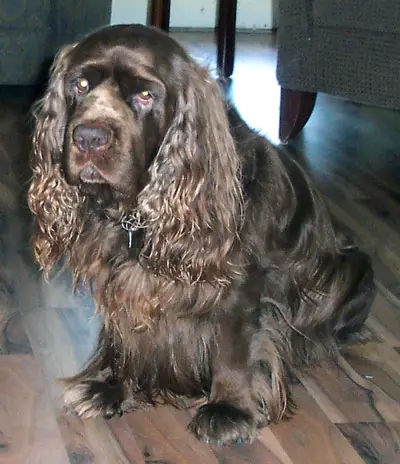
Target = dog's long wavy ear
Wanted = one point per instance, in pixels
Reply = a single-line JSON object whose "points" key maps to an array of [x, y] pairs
{"points": [[192, 204], [53, 202]]}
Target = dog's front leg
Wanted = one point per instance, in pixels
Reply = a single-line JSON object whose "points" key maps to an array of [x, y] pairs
{"points": [[250, 384], [100, 389], [230, 416]]}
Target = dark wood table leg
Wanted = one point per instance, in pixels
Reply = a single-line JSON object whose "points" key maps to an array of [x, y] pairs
{"points": [[159, 14], [295, 111], [226, 29]]}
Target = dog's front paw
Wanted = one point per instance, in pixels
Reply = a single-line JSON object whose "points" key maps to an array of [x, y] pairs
{"points": [[222, 424], [93, 398]]}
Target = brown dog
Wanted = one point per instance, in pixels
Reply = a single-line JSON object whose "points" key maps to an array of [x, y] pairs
{"points": [[212, 256]]}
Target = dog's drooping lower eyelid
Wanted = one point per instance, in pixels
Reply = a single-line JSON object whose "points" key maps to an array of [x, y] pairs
{"points": [[145, 98], [82, 85], [90, 77]]}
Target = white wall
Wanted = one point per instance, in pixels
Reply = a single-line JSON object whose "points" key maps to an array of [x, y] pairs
{"points": [[251, 14]]}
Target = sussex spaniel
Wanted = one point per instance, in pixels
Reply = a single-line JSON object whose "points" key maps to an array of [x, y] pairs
{"points": [[211, 256]]}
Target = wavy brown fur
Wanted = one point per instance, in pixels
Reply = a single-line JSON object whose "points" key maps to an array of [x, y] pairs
{"points": [[193, 208], [54, 203], [237, 274]]}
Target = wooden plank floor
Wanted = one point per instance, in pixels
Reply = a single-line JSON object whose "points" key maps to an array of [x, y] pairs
{"points": [[347, 413]]}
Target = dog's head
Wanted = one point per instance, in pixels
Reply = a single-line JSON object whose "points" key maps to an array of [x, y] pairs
{"points": [[130, 118]]}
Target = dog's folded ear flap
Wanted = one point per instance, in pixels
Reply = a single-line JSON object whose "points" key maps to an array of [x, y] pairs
{"points": [[193, 201], [54, 203]]}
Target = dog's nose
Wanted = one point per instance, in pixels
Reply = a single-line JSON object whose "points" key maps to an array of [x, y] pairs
{"points": [[91, 139]]}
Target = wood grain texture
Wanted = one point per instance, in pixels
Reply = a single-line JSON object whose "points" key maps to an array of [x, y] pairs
{"points": [[28, 427], [90, 441], [311, 435], [376, 443], [348, 412], [161, 436]]}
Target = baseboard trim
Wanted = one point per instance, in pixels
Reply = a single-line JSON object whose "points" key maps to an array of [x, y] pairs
{"points": [[240, 30]]}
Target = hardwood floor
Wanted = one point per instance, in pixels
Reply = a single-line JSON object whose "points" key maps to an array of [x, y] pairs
{"points": [[348, 412]]}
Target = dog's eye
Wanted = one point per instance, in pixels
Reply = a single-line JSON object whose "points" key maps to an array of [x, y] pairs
{"points": [[144, 97], [82, 85]]}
